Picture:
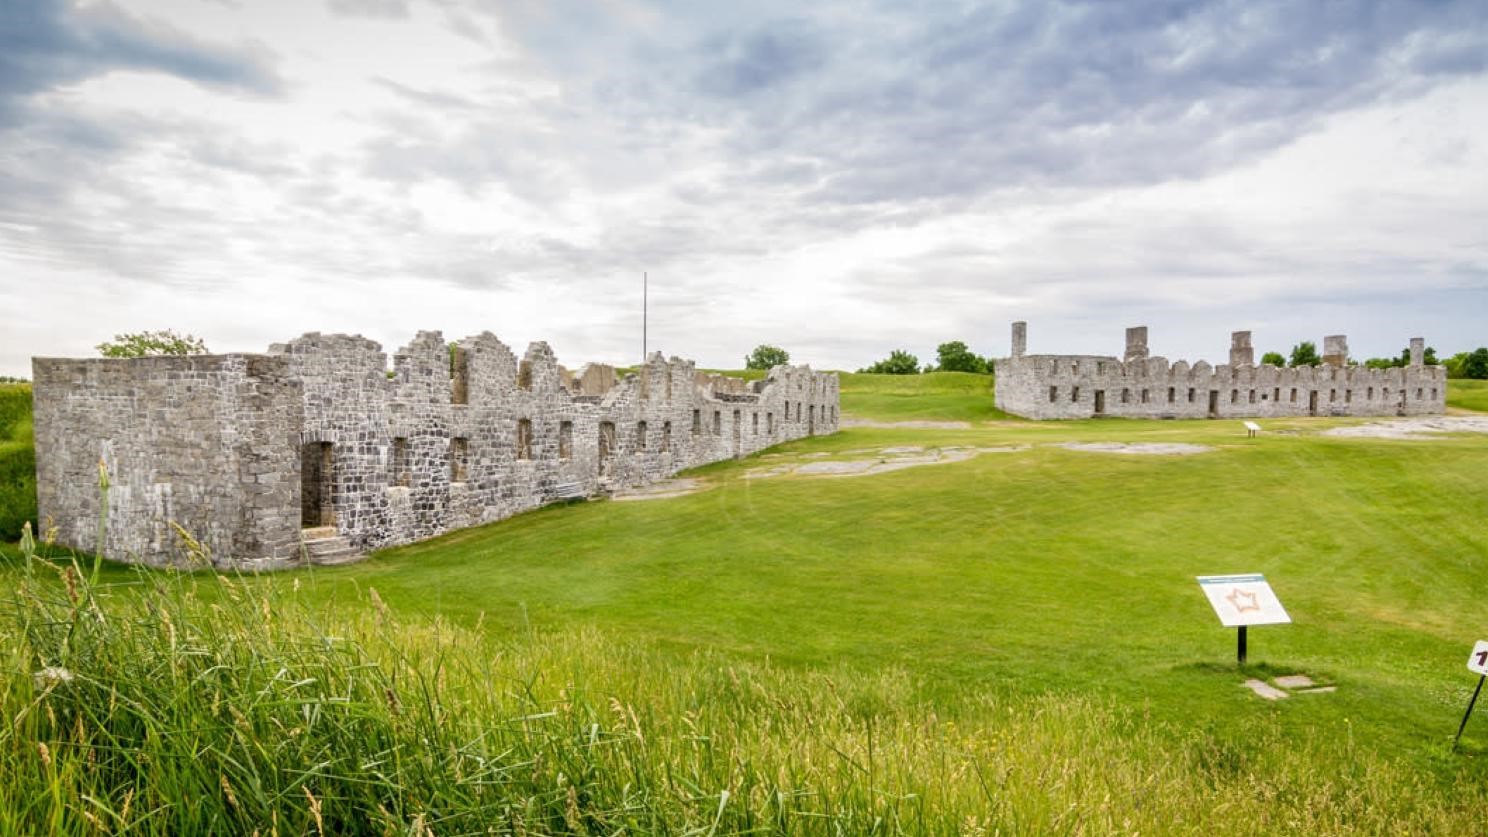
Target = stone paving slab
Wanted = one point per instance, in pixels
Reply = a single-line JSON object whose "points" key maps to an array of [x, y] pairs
{"points": [[1264, 690]]}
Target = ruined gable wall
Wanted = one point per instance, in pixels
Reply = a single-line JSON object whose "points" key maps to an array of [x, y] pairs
{"points": [[205, 442]]}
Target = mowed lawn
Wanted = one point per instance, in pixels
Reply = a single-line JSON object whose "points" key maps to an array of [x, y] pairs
{"points": [[1468, 395], [1032, 571]]}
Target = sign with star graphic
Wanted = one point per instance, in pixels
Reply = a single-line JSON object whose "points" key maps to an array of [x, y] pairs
{"points": [[1243, 600], [1478, 662]]}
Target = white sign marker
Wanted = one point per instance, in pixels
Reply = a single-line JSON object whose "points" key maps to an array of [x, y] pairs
{"points": [[1478, 662], [1252, 428], [1241, 600]]}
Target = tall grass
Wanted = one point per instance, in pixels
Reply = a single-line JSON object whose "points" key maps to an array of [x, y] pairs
{"points": [[201, 704]]}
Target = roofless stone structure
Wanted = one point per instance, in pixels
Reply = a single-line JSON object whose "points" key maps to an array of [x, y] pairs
{"points": [[317, 450], [1140, 386]]}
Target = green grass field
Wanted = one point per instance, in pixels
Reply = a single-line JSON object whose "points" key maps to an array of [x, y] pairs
{"points": [[1468, 395], [17, 460], [936, 396], [1013, 643]]}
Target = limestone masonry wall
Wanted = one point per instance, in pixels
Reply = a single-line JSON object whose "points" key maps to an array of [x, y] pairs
{"points": [[1139, 386], [244, 451]]}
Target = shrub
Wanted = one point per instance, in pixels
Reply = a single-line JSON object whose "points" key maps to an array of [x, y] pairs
{"points": [[149, 343], [897, 363]]}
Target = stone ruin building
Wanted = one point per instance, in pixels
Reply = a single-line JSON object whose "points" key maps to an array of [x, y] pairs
{"points": [[315, 450], [1139, 386]]}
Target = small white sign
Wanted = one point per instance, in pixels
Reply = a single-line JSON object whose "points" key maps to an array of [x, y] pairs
{"points": [[1252, 427], [1478, 662], [1243, 600]]}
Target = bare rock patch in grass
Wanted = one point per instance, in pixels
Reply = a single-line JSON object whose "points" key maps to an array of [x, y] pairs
{"points": [[1138, 448], [1426, 427], [661, 490]]}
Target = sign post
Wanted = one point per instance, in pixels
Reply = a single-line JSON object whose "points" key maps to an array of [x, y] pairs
{"points": [[1477, 663], [1241, 601]]}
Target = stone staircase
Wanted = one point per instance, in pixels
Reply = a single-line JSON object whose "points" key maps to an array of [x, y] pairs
{"points": [[324, 548]]}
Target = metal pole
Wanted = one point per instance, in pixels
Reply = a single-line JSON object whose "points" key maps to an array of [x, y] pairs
{"points": [[645, 306], [1242, 645], [1470, 705]]}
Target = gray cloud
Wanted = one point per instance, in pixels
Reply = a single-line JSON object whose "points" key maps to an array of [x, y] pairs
{"points": [[44, 44]]}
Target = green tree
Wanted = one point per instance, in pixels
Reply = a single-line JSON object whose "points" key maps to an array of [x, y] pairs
{"points": [[955, 357], [1305, 354], [151, 343], [1454, 364], [766, 357], [1476, 365], [897, 363], [1273, 358]]}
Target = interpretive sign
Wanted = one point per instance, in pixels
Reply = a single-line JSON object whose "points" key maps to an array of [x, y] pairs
{"points": [[1243, 600], [1478, 662]]}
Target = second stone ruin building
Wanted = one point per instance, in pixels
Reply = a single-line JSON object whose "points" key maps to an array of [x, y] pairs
{"points": [[1140, 386], [316, 449]]}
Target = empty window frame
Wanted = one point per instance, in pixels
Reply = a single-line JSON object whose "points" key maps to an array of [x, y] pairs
{"points": [[666, 437], [402, 474], [565, 440], [459, 375], [524, 438], [640, 436], [717, 422], [697, 422], [1074, 395], [1053, 394], [459, 459]]}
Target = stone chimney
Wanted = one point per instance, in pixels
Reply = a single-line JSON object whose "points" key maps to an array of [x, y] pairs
{"points": [[1418, 351], [1020, 338], [1335, 350], [1241, 352], [1136, 343]]}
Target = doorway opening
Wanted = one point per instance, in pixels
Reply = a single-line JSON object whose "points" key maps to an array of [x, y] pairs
{"points": [[1213, 403], [1100, 402], [317, 485], [1312, 403], [606, 446]]}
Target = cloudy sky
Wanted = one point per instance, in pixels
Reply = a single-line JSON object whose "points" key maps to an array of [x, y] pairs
{"points": [[840, 179]]}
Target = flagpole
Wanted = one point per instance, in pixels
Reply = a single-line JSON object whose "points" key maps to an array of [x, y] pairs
{"points": [[645, 302]]}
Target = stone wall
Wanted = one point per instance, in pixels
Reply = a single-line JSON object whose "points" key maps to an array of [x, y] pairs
{"points": [[246, 450], [203, 442], [1085, 386]]}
